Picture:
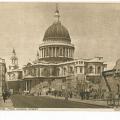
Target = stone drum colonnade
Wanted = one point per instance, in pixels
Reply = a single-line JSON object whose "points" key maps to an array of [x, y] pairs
{"points": [[56, 51]]}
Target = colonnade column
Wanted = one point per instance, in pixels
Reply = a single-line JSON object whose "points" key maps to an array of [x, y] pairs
{"points": [[40, 53], [55, 52], [68, 53], [62, 51], [40, 72], [72, 53], [65, 52], [49, 51], [52, 51], [44, 52]]}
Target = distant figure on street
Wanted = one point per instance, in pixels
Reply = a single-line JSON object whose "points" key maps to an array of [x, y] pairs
{"points": [[66, 96], [71, 94], [4, 96], [116, 100], [109, 98]]}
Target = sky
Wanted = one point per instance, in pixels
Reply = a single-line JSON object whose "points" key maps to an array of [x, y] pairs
{"points": [[94, 29]]}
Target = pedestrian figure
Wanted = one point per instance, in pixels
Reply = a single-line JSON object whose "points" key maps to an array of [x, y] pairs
{"points": [[70, 94], [87, 95], [55, 93], [109, 99], [116, 100], [4, 96], [66, 96], [82, 95]]}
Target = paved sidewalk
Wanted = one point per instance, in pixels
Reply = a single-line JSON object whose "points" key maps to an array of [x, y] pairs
{"points": [[8, 103], [93, 102]]}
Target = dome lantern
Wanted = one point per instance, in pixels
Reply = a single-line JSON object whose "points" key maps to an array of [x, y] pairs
{"points": [[57, 32], [57, 15]]}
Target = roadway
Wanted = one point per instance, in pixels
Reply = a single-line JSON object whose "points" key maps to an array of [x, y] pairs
{"points": [[20, 101]]}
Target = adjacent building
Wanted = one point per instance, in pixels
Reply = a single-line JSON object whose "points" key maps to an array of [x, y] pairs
{"points": [[112, 78], [3, 84], [14, 74]]}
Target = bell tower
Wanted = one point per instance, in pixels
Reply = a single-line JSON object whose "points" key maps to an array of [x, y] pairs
{"points": [[14, 61]]}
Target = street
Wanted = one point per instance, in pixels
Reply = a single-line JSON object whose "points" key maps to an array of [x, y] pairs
{"points": [[20, 101]]}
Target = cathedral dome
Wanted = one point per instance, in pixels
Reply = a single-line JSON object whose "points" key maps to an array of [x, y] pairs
{"points": [[57, 45], [57, 32]]}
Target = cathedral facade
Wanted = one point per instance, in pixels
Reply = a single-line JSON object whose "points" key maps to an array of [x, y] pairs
{"points": [[55, 68]]}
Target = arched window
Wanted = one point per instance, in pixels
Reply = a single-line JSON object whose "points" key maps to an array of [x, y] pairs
{"points": [[45, 72], [64, 71], [99, 69], [71, 69], [91, 69]]}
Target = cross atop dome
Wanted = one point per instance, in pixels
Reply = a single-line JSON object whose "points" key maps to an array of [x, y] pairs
{"points": [[57, 15], [57, 32]]}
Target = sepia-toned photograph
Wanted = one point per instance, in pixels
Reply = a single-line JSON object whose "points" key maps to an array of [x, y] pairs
{"points": [[59, 55]]}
